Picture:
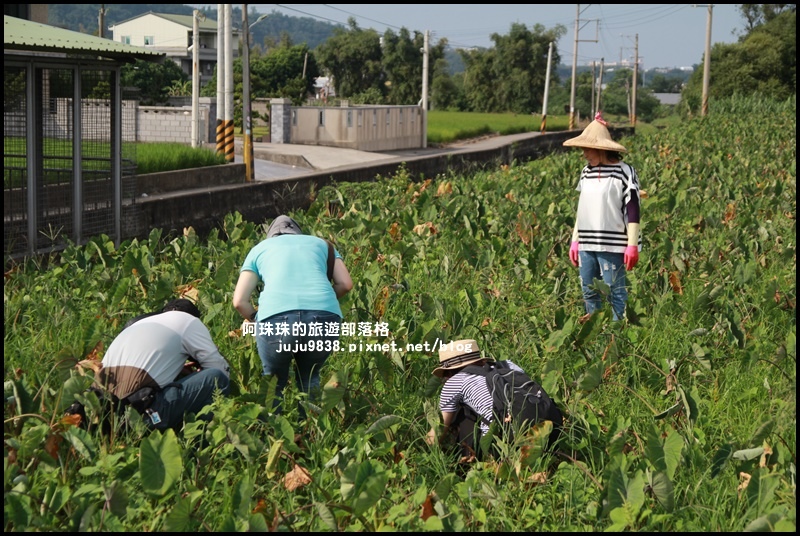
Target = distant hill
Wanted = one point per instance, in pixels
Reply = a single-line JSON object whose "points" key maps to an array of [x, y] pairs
{"points": [[84, 18], [267, 33]]}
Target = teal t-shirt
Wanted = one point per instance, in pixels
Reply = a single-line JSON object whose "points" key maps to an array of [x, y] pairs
{"points": [[294, 269]]}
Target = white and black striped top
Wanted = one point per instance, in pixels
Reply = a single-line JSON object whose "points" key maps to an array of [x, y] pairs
{"points": [[606, 191], [470, 390]]}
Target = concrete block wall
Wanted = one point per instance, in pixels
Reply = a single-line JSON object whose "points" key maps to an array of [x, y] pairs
{"points": [[168, 124]]}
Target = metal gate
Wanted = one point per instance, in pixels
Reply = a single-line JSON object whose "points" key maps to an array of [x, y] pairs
{"points": [[69, 155]]}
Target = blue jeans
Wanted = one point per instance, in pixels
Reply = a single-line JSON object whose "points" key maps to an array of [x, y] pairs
{"points": [[610, 268], [189, 394], [299, 336]]}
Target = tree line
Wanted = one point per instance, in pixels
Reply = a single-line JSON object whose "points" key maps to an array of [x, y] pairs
{"points": [[366, 67]]}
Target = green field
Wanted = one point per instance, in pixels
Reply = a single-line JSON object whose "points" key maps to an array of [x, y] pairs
{"points": [[681, 418]]}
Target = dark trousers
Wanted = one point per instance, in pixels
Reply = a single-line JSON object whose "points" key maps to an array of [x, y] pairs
{"points": [[466, 432]]}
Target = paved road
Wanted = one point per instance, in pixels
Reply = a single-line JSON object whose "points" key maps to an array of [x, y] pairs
{"points": [[268, 157]]}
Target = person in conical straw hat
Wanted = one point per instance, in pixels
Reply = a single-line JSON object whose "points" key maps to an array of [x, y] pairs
{"points": [[605, 239]]}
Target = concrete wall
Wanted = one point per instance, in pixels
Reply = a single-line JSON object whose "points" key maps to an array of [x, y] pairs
{"points": [[168, 124], [205, 209], [365, 128], [140, 123]]}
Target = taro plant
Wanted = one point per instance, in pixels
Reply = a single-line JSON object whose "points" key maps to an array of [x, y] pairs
{"points": [[682, 417]]}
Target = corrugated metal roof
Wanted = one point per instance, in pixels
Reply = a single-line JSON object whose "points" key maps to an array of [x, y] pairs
{"points": [[25, 35], [183, 20]]}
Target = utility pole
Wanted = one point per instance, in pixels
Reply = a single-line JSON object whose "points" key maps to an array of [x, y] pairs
{"points": [[247, 149], [425, 90], [195, 75], [220, 79], [635, 80], [543, 127], [707, 63], [230, 147], [101, 21], [594, 79], [575, 66], [598, 108], [574, 69]]}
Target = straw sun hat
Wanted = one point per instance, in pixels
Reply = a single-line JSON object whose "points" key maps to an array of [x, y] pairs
{"points": [[457, 354], [596, 136]]}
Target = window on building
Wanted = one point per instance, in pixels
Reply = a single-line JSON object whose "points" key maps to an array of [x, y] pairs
{"points": [[349, 118], [126, 39], [400, 119], [388, 117], [294, 118], [374, 118], [360, 119], [149, 40], [322, 118]]}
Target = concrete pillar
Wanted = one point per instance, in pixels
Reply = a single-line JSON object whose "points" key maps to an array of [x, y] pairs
{"points": [[280, 120]]}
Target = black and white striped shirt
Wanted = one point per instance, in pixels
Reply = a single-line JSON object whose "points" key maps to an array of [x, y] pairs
{"points": [[470, 390], [603, 216]]}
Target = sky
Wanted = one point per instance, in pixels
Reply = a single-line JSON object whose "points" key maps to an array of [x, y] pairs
{"points": [[669, 35]]}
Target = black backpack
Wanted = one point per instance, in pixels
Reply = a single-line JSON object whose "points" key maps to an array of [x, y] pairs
{"points": [[517, 400]]}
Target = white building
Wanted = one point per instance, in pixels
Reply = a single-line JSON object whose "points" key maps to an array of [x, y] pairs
{"points": [[172, 35]]}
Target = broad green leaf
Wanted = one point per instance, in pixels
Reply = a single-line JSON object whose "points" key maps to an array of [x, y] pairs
{"points": [[326, 516], [721, 457], [443, 488], [332, 396], [362, 485], [748, 454], [654, 450], [634, 492], [669, 411], [616, 483], [58, 496], [180, 517], [591, 377], [763, 432], [663, 490], [243, 441], [257, 523], [160, 463], [621, 518], [760, 491], [673, 447], [241, 497], [590, 329], [385, 422], [117, 498], [83, 442], [770, 523], [274, 457], [74, 385]]}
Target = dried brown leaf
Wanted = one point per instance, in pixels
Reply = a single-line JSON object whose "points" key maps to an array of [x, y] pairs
{"points": [[427, 508], [296, 478]]}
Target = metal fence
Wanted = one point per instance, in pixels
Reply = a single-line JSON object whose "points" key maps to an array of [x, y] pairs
{"points": [[68, 162]]}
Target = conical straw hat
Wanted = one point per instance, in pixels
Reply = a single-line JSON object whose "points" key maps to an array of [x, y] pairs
{"points": [[596, 136]]}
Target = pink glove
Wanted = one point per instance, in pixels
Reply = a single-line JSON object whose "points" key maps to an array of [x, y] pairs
{"points": [[631, 257], [573, 253]]}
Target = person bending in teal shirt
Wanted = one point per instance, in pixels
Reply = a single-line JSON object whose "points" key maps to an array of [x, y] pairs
{"points": [[298, 315]]}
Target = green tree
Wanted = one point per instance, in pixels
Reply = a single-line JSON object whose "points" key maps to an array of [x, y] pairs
{"points": [[447, 91], [660, 83], [152, 79], [402, 63], [353, 58], [511, 75], [757, 14], [763, 61]]}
